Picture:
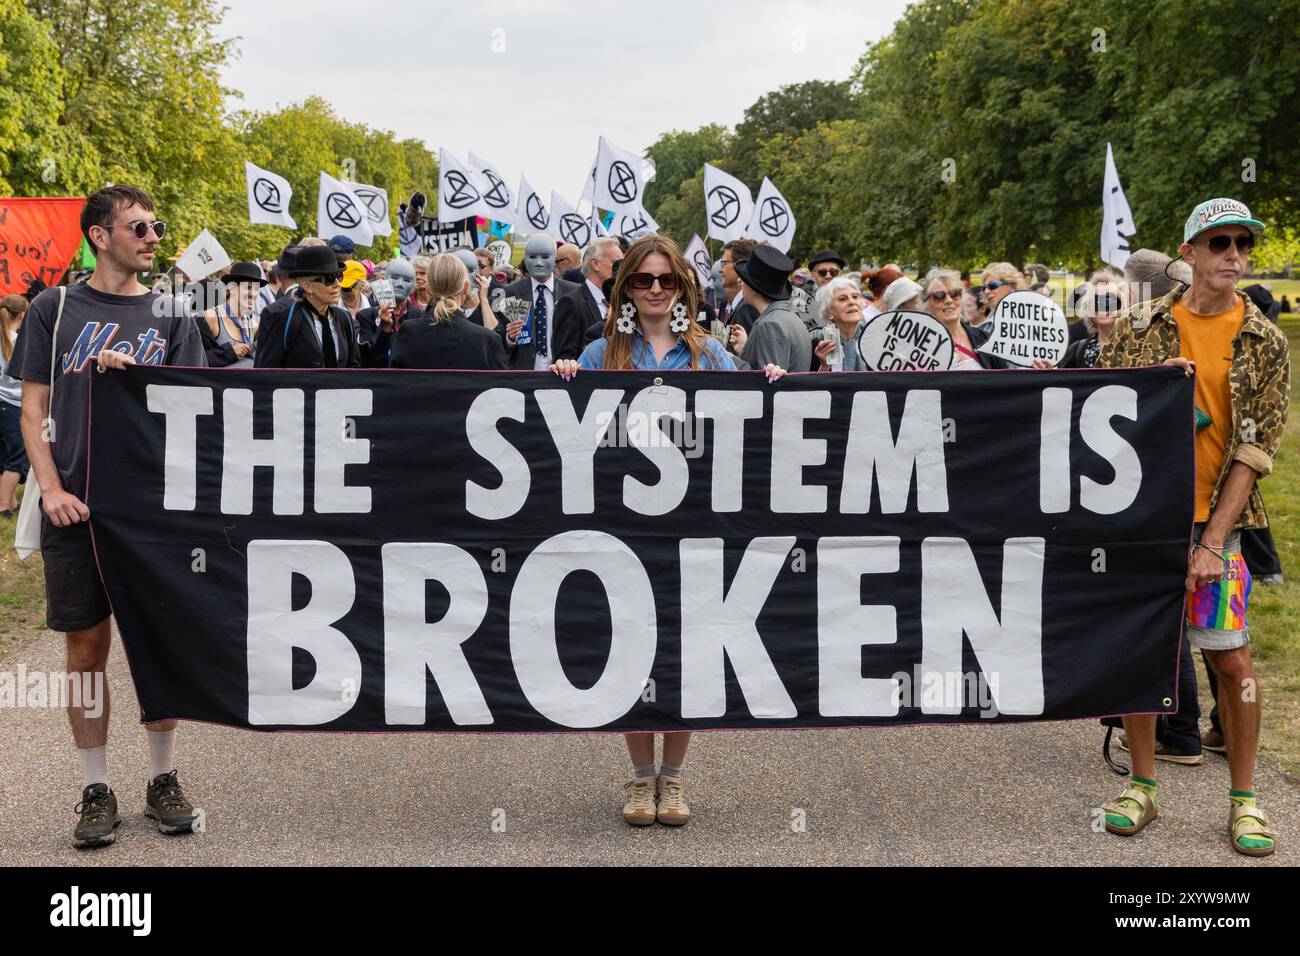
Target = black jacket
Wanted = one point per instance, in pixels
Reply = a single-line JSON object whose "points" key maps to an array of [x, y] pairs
{"points": [[454, 343], [1074, 353], [979, 334], [377, 351], [566, 334], [284, 340]]}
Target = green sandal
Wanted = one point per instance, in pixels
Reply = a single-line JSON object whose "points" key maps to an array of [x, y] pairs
{"points": [[1138, 819], [1259, 828]]}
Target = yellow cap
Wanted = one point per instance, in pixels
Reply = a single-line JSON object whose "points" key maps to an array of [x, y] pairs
{"points": [[353, 272]]}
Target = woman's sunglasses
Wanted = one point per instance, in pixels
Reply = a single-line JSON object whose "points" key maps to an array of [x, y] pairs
{"points": [[644, 280], [141, 228], [938, 295], [1106, 304], [324, 280], [995, 284], [1218, 244]]}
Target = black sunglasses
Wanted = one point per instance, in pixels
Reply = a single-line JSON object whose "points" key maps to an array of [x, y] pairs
{"points": [[995, 284], [938, 295], [1106, 304], [325, 280], [141, 228], [644, 280], [827, 273], [1218, 244]]}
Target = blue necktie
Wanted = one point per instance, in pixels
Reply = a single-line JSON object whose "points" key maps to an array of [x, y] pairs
{"points": [[539, 315]]}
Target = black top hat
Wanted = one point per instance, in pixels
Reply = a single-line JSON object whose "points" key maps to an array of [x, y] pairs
{"points": [[245, 272], [826, 255], [314, 261], [767, 272]]}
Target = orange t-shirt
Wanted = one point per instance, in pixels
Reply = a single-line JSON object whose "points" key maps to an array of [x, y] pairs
{"points": [[1207, 341]]}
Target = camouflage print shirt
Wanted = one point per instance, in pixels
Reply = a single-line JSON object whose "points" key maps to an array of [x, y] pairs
{"points": [[1259, 383]]}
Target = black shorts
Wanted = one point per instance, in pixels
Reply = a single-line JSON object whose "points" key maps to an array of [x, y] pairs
{"points": [[74, 594]]}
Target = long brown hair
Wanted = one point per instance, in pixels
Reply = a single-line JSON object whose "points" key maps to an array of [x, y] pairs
{"points": [[618, 354], [11, 307]]}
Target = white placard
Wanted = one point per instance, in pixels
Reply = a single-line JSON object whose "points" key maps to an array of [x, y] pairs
{"points": [[1027, 326], [906, 342]]}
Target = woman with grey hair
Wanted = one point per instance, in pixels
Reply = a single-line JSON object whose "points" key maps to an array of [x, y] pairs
{"points": [[1104, 299], [839, 303], [942, 292]]}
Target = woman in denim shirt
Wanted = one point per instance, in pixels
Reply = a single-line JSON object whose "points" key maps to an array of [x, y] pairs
{"points": [[651, 326]]}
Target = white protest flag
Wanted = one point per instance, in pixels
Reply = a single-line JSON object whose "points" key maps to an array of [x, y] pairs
{"points": [[374, 202], [727, 203], [495, 191], [568, 224], [634, 225], [202, 257], [620, 179], [1116, 217], [772, 221], [697, 254], [340, 213], [460, 192], [268, 197], [531, 215], [589, 187]]}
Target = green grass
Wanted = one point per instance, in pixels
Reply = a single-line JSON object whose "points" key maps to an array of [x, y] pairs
{"points": [[22, 591]]}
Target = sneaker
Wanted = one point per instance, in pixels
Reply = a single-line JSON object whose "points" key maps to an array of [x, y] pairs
{"points": [[673, 811], [167, 806], [639, 811], [99, 817], [1212, 740], [1271, 579], [1167, 753]]}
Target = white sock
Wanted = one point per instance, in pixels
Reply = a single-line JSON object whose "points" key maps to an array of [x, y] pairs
{"points": [[162, 752], [94, 765]]}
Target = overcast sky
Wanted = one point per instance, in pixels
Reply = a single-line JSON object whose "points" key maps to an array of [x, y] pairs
{"points": [[569, 72]]}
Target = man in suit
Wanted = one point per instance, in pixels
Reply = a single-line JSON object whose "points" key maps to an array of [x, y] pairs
{"points": [[308, 329], [586, 306], [533, 343], [735, 310]]}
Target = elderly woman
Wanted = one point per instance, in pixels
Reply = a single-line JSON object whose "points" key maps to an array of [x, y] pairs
{"points": [[942, 290], [999, 279], [839, 302], [1104, 300], [421, 296]]}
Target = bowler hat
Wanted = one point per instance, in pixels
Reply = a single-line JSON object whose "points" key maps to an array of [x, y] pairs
{"points": [[826, 255], [767, 272], [314, 261], [285, 262], [244, 272]]}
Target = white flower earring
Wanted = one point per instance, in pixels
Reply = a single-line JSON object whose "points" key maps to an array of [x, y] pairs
{"points": [[627, 318], [681, 318]]}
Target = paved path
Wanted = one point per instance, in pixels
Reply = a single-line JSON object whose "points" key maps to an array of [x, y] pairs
{"points": [[897, 796]]}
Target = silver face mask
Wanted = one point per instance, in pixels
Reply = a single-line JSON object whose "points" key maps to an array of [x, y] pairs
{"points": [[539, 257], [471, 263], [402, 275]]}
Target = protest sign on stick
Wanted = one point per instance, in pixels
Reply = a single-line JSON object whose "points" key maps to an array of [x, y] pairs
{"points": [[905, 342], [1027, 326]]}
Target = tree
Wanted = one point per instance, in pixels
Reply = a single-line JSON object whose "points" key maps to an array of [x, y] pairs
{"points": [[787, 111], [678, 156]]}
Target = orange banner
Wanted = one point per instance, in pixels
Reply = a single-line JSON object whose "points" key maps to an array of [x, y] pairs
{"points": [[38, 238]]}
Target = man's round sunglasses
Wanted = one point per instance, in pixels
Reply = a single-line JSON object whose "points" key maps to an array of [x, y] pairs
{"points": [[827, 273], [644, 280], [141, 228], [1218, 244]]}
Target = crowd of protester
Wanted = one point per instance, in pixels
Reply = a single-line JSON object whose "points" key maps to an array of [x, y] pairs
{"points": [[639, 305]]}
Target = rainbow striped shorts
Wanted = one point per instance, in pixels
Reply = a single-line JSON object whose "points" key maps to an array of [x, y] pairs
{"points": [[1216, 612]]}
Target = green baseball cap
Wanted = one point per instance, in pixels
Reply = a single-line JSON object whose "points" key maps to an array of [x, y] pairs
{"points": [[1220, 212]]}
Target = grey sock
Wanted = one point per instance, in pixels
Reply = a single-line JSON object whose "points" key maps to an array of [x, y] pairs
{"points": [[670, 770], [646, 772]]}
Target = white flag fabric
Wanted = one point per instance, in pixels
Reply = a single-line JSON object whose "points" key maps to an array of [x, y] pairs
{"points": [[495, 191], [531, 215], [410, 241], [202, 257], [1116, 217], [728, 204], [772, 221], [589, 187], [634, 225], [620, 179], [697, 254], [374, 201], [268, 197], [568, 225], [460, 190], [340, 213]]}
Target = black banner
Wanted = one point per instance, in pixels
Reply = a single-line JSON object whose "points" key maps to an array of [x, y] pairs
{"points": [[348, 550]]}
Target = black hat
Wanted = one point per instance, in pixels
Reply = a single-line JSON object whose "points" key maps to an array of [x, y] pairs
{"points": [[767, 272], [314, 261], [826, 255], [244, 272], [285, 262]]}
